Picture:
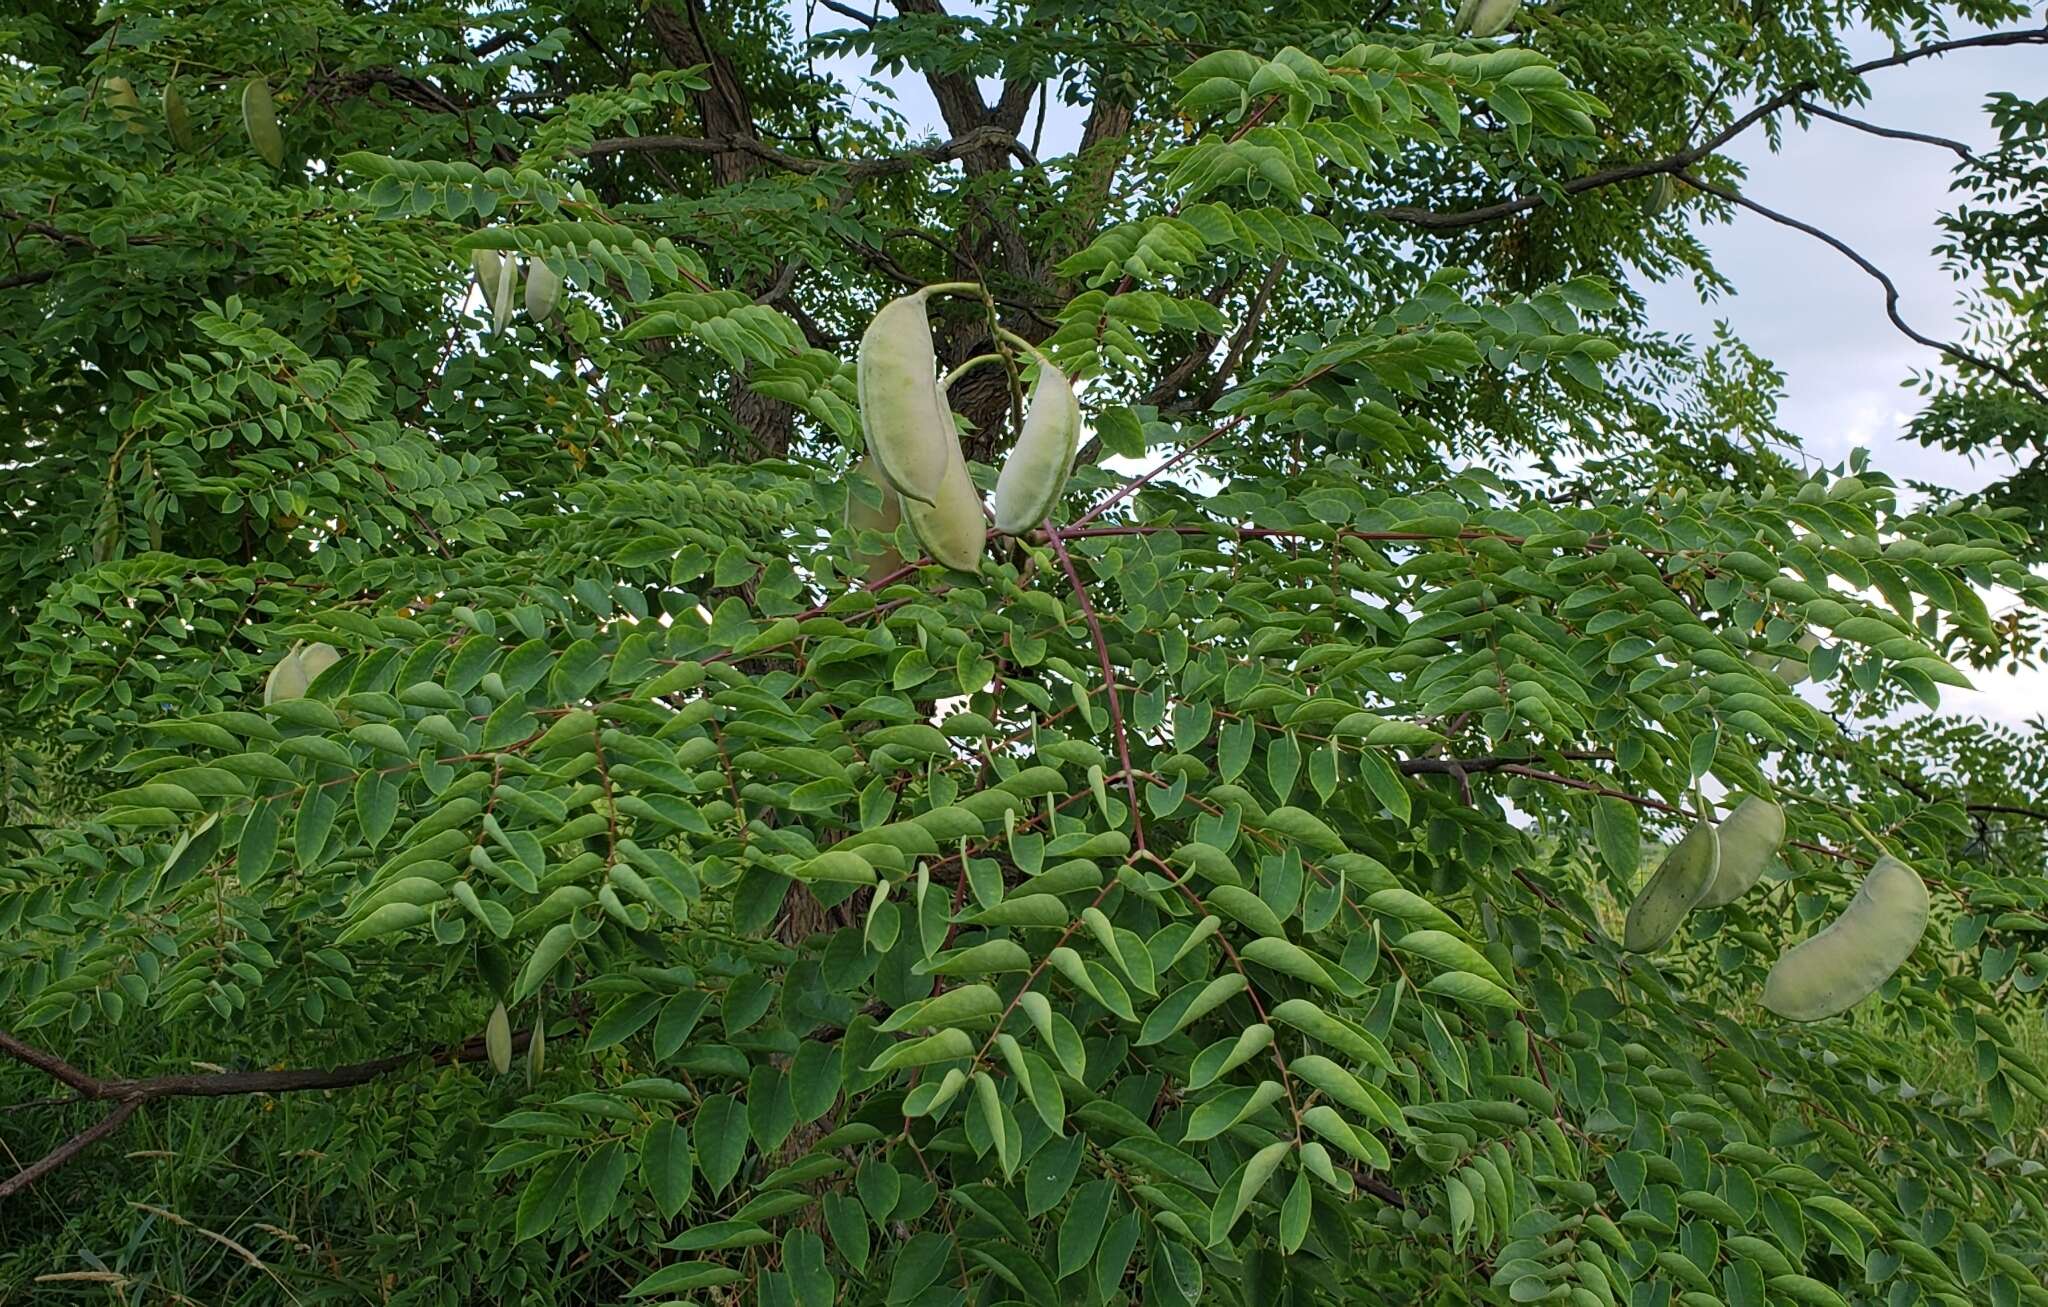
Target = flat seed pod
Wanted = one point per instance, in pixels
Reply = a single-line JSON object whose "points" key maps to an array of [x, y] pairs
{"points": [[1028, 488], [121, 98], [1493, 16], [1749, 838], [498, 1040], [1845, 963], [316, 658], [177, 118], [1468, 11], [536, 1051], [872, 506], [904, 417], [543, 290], [484, 263], [1685, 874], [259, 120], [502, 293], [951, 528]]}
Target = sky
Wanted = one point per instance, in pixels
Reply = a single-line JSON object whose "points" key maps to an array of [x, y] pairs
{"points": [[1797, 302]]}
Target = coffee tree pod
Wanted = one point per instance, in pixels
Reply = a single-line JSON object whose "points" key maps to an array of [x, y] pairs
{"points": [[951, 528], [543, 290], [502, 293], [1663, 191], [287, 679], [903, 415], [872, 506], [121, 98], [1749, 839], [1845, 963], [1493, 16], [177, 118], [1468, 11], [1673, 890], [316, 658], [1028, 488], [498, 1040], [259, 120]]}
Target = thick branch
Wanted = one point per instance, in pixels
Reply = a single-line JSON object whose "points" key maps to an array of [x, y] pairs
{"points": [[1891, 291], [69, 1149], [1433, 220], [1893, 133]]}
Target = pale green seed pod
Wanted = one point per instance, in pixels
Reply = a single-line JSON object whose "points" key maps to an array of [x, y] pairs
{"points": [[872, 506], [1845, 963], [1749, 839], [484, 263], [1468, 10], [259, 120], [536, 1051], [498, 1040], [502, 293], [1672, 891], [904, 417], [1028, 488], [951, 528], [1493, 16], [287, 679], [121, 98], [1663, 191], [317, 658], [177, 118], [543, 290]]}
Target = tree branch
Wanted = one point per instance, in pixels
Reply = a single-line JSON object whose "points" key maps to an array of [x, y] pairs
{"points": [[981, 138], [1894, 133], [1891, 291], [1434, 220], [129, 1095]]}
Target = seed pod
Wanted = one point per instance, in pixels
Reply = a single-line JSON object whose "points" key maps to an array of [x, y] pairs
{"points": [[951, 528], [543, 289], [177, 118], [287, 680], [315, 659], [121, 98], [1749, 838], [498, 1040], [908, 427], [501, 294], [1493, 16], [1663, 191], [536, 1051], [259, 120], [1468, 10], [1685, 874], [1028, 488], [1845, 963], [872, 506]]}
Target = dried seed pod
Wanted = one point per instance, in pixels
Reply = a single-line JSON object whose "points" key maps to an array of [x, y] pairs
{"points": [[259, 120], [1845, 963], [177, 118], [1749, 838], [1492, 17], [951, 528], [1672, 891], [904, 417], [1028, 488], [498, 1040], [872, 506], [543, 289]]}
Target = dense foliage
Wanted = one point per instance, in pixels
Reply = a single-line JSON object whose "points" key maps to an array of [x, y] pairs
{"points": [[1213, 899]]}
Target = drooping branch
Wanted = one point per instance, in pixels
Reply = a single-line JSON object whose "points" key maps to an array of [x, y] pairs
{"points": [[1892, 133], [1891, 290], [129, 1095], [1436, 220]]}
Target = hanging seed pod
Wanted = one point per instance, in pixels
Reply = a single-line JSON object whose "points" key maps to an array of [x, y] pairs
{"points": [[287, 679], [951, 528], [1845, 963], [502, 293], [543, 289], [498, 1040], [1493, 16], [121, 98], [1468, 10], [1672, 891], [536, 1051], [904, 417], [316, 658], [177, 118], [1749, 838], [1028, 488], [259, 120], [1663, 193], [872, 506]]}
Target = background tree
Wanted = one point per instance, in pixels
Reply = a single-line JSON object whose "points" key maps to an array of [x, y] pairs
{"points": [[1216, 895]]}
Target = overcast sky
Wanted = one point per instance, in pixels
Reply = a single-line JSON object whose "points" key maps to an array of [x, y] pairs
{"points": [[1797, 302]]}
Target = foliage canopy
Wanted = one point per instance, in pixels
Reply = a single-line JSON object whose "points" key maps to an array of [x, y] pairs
{"points": [[1216, 897]]}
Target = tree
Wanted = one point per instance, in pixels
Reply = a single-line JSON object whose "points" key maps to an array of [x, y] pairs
{"points": [[663, 892]]}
